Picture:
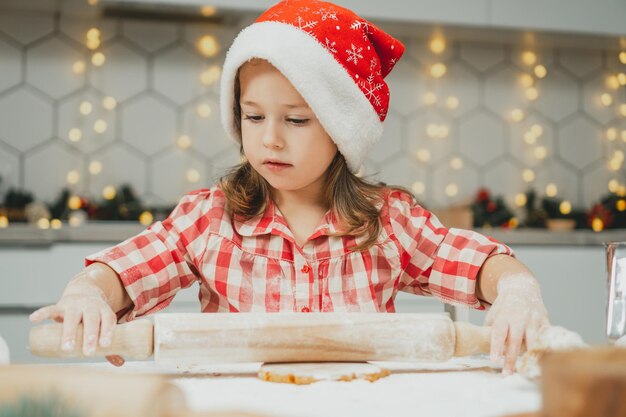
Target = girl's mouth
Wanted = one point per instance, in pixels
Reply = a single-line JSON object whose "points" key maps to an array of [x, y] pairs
{"points": [[276, 166]]}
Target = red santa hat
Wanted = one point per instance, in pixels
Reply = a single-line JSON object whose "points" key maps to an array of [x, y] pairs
{"points": [[335, 59]]}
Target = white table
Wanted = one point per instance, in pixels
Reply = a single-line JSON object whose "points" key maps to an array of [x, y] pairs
{"points": [[468, 387]]}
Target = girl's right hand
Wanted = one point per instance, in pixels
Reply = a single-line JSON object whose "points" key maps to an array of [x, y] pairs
{"points": [[89, 307]]}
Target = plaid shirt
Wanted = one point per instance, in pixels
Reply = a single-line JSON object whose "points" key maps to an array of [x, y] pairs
{"points": [[255, 265]]}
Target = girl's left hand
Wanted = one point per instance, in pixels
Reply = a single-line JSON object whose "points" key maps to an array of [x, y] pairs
{"points": [[516, 316]]}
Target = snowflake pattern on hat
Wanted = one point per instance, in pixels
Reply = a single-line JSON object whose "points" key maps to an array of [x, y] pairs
{"points": [[366, 52]]}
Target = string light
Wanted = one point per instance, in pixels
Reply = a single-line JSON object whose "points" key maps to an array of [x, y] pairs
{"points": [[612, 82], [78, 67], [513, 223], [438, 45], [621, 78], [73, 177], [74, 203], [423, 155], [208, 11], [93, 33], [43, 223], [183, 142], [95, 167], [193, 175], [520, 200], [452, 102], [622, 110], [597, 224], [429, 98], [75, 135], [93, 44], [109, 193], [530, 138], [532, 93], [109, 103], [528, 175], [92, 2], [551, 190], [517, 115], [146, 218], [526, 80], [620, 205], [537, 129], [210, 75], [622, 57], [100, 126], [456, 163], [540, 71], [418, 187], [606, 99], [56, 224], [203, 110], [541, 152], [207, 45], [4, 222], [529, 58], [98, 59], [611, 134], [565, 207], [623, 135], [438, 70], [613, 185], [452, 190], [432, 130], [85, 108], [615, 165]]}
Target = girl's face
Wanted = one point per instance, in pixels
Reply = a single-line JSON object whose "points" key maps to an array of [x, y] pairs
{"points": [[282, 139]]}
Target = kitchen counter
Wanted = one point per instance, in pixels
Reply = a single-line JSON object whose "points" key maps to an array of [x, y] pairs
{"points": [[470, 387], [28, 235]]}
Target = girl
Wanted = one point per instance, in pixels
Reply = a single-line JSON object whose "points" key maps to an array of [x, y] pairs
{"points": [[293, 228]]}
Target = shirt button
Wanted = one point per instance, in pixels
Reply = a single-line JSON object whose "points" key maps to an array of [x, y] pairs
{"points": [[305, 309], [306, 269]]}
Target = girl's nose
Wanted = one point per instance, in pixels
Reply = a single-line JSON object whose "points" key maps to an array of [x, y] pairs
{"points": [[272, 137]]}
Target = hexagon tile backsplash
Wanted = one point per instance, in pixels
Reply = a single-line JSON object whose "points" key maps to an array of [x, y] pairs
{"points": [[137, 102]]}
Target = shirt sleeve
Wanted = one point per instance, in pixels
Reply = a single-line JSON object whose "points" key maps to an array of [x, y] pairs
{"points": [[163, 259], [436, 260]]}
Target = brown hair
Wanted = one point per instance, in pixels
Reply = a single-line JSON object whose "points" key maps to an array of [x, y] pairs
{"points": [[352, 199]]}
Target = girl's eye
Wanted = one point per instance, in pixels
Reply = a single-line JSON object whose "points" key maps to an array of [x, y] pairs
{"points": [[298, 121], [253, 118]]}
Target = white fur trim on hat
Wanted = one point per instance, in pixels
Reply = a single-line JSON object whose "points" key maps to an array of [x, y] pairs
{"points": [[341, 107]]}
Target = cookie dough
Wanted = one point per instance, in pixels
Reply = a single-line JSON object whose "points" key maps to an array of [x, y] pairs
{"points": [[307, 373]]}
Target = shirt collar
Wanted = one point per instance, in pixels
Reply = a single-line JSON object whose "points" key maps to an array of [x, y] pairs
{"points": [[272, 221]]}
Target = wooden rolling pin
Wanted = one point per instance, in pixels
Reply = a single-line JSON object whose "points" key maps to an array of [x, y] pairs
{"points": [[281, 337]]}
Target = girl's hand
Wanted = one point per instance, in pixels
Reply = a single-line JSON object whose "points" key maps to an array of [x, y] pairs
{"points": [[516, 316], [89, 306]]}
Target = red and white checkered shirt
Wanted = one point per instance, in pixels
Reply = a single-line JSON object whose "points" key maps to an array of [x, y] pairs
{"points": [[256, 265]]}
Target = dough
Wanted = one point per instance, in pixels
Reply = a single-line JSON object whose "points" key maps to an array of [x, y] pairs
{"points": [[550, 338], [4, 352], [307, 373]]}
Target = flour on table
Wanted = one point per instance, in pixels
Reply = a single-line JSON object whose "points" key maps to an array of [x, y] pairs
{"points": [[550, 338], [468, 387]]}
